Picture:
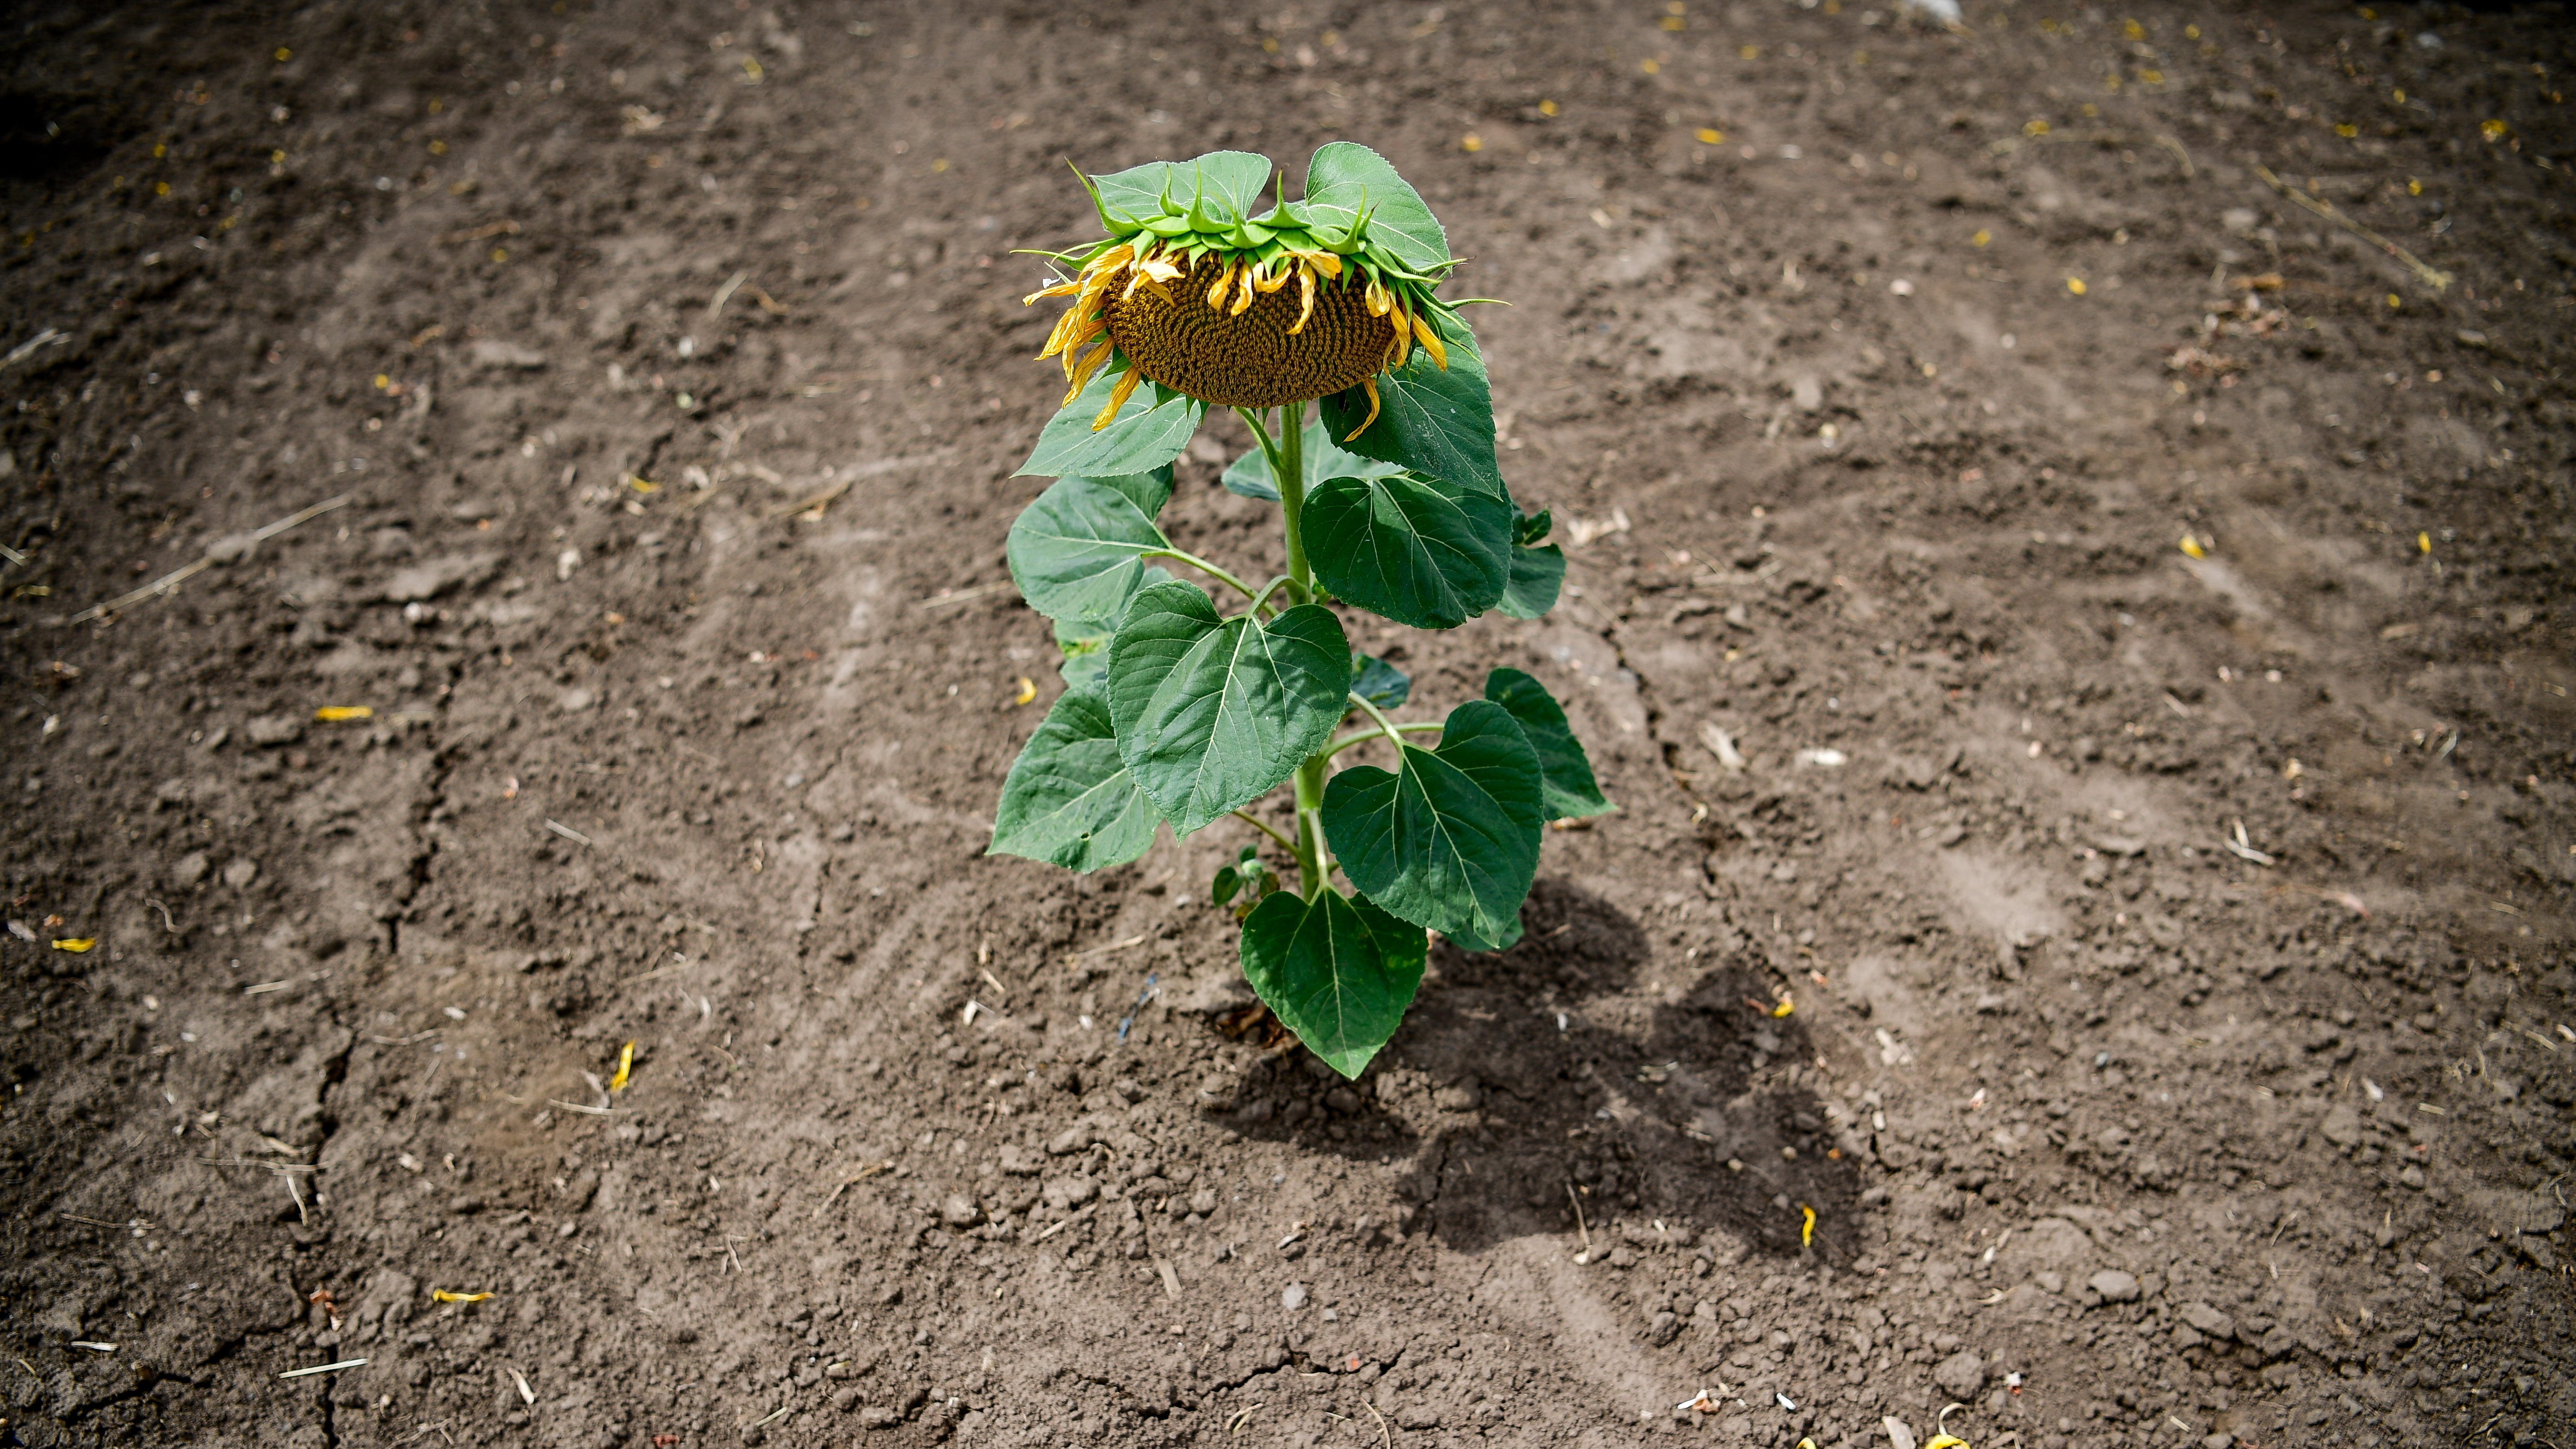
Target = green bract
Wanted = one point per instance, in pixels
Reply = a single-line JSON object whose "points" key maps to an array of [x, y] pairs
{"points": [[1182, 709]]}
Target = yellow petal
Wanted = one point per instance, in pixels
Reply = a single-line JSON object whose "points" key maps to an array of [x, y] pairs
{"points": [[1370, 384], [1060, 289], [1271, 278], [1402, 347], [1028, 691], [1083, 370], [1242, 293], [334, 713], [1430, 339], [1377, 299], [1216, 293], [1305, 297], [77, 945], [1117, 398], [1784, 1008], [625, 1068], [1807, 1229], [443, 1296]]}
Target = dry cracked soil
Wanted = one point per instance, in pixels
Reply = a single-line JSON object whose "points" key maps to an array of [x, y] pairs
{"points": [[2070, 516]]}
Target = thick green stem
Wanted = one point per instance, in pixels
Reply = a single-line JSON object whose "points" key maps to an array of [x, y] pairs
{"points": [[1291, 473], [1313, 876]]}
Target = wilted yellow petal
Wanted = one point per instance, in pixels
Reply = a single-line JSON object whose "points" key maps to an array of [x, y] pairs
{"points": [[1117, 398], [625, 1068], [1027, 691], [2423, 543], [1807, 1229], [643, 485], [334, 713], [1710, 136], [2191, 545], [1784, 1008], [2075, 285], [443, 1296], [75, 944]]}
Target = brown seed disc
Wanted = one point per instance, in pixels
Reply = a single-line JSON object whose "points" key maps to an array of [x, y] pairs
{"points": [[1250, 361]]}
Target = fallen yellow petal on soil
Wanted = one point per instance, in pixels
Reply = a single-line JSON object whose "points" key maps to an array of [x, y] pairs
{"points": [[625, 1068], [443, 1296], [75, 944], [333, 713]]}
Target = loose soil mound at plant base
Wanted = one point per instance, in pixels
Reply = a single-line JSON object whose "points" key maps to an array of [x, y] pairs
{"points": [[673, 371]]}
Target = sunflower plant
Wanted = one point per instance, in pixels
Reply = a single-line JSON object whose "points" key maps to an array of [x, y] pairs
{"points": [[1180, 709]]}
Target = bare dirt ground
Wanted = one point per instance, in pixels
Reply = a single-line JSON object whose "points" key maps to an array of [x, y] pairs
{"points": [[2178, 936]]}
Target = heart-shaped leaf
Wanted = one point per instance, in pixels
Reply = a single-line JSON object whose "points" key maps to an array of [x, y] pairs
{"points": [[1213, 712], [1426, 553], [1380, 683], [1078, 551], [1069, 800], [1538, 576], [1149, 432], [1336, 971], [1249, 475], [1448, 840], [1229, 184], [1565, 768], [1439, 424], [1346, 176]]}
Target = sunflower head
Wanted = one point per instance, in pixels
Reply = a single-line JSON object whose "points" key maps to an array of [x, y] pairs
{"points": [[1201, 289]]}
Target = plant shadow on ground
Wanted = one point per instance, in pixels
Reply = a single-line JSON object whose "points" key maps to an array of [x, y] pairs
{"points": [[1542, 1075]]}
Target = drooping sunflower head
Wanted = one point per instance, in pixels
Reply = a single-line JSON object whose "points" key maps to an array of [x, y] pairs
{"points": [[1200, 289]]}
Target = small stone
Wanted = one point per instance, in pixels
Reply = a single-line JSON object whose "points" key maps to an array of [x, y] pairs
{"points": [[190, 869], [2113, 1286], [1343, 1101], [2050, 1282], [2342, 1126], [1460, 1098], [1203, 1201], [272, 730], [1663, 1329], [2220, 1440], [958, 1210], [2412, 1177], [463, 1205], [1293, 1297], [240, 871], [878, 1416], [1960, 1375], [1019, 1161], [1069, 1192], [2209, 1320], [1127, 1090], [493, 352], [1069, 1141], [574, 701]]}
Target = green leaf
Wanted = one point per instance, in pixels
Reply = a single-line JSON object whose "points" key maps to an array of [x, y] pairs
{"points": [[1469, 941], [1564, 767], [1336, 971], [1440, 424], [1538, 575], [1230, 182], [1449, 840], [1148, 433], [1213, 712], [1078, 551], [1346, 176], [1427, 554], [1533, 528], [1250, 474], [1068, 800], [1380, 683]]}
